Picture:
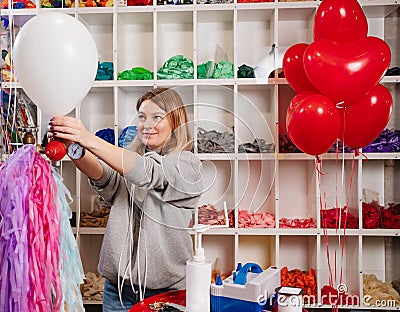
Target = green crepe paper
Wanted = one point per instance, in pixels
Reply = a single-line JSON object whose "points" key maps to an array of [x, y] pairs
{"points": [[205, 71], [223, 69], [136, 73], [176, 67], [245, 72]]}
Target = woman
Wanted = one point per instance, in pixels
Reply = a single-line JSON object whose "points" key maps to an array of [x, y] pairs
{"points": [[153, 188]]}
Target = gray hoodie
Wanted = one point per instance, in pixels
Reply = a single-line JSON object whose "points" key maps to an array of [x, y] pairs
{"points": [[166, 191]]}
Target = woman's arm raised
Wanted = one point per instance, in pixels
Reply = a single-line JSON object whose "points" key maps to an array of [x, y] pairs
{"points": [[70, 130]]}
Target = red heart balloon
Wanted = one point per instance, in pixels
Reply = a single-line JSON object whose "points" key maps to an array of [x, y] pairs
{"points": [[294, 69], [346, 71], [314, 124], [340, 21], [363, 121]]}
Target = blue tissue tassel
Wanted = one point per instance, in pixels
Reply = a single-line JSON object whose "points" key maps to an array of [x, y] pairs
{"points": [[71, 272]]}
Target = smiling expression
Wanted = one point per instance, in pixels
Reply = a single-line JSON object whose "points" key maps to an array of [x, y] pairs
{"points": [[154, 128]]}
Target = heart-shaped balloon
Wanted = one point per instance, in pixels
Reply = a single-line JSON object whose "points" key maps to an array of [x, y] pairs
{"points": [[294, 69], [346, 71], [314, 124], [340, 21], [363, 121]]}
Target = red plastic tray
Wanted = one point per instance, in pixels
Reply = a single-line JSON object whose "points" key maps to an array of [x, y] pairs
{"points": [[175, 296]]}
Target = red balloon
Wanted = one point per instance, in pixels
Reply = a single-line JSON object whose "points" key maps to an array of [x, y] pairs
{"points": [[346, 71], [314, 124], [296, 101], [363, 121], [294, 69], [340, 21]]}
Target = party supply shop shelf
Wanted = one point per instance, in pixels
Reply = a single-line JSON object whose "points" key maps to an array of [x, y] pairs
{"points": [[285, 185]]}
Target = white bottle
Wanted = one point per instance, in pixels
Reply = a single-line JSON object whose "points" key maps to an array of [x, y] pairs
{"points": [[198, 280]]}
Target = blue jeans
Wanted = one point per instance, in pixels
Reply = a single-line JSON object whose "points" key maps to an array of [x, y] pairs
{"points": [[111, 301]]}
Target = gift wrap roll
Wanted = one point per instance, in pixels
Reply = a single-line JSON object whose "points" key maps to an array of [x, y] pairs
{"points": [[198, 283]]}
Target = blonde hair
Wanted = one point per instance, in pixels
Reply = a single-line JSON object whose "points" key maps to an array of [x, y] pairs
{"points": [[171, 102]]}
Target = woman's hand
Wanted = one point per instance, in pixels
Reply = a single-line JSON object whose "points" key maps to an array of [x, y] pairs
{"points": [[70, 129]]}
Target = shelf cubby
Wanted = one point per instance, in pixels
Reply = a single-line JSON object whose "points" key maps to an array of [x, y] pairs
{"points": [[260, 249], [298, 252]]}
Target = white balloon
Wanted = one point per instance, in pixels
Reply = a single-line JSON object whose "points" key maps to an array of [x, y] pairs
{"points": [[55, 59]]}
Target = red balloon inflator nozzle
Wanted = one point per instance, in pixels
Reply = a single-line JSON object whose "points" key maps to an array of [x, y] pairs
{"points": [[55, 150]]}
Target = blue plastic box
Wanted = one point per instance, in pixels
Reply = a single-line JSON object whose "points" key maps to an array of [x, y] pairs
{"points": [[248, 289]]}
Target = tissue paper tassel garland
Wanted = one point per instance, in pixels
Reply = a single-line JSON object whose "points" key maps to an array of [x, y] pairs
{"points": [[30, 236], [71, 271], [29, 259]]}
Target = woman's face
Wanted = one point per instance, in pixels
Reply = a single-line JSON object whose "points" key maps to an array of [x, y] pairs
{"points": [[153, 125]]}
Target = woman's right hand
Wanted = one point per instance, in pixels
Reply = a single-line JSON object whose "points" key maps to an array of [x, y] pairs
{"points": [[70, 130]]}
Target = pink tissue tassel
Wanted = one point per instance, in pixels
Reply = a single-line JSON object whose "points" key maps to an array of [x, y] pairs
{"points": [[29, 234]]}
